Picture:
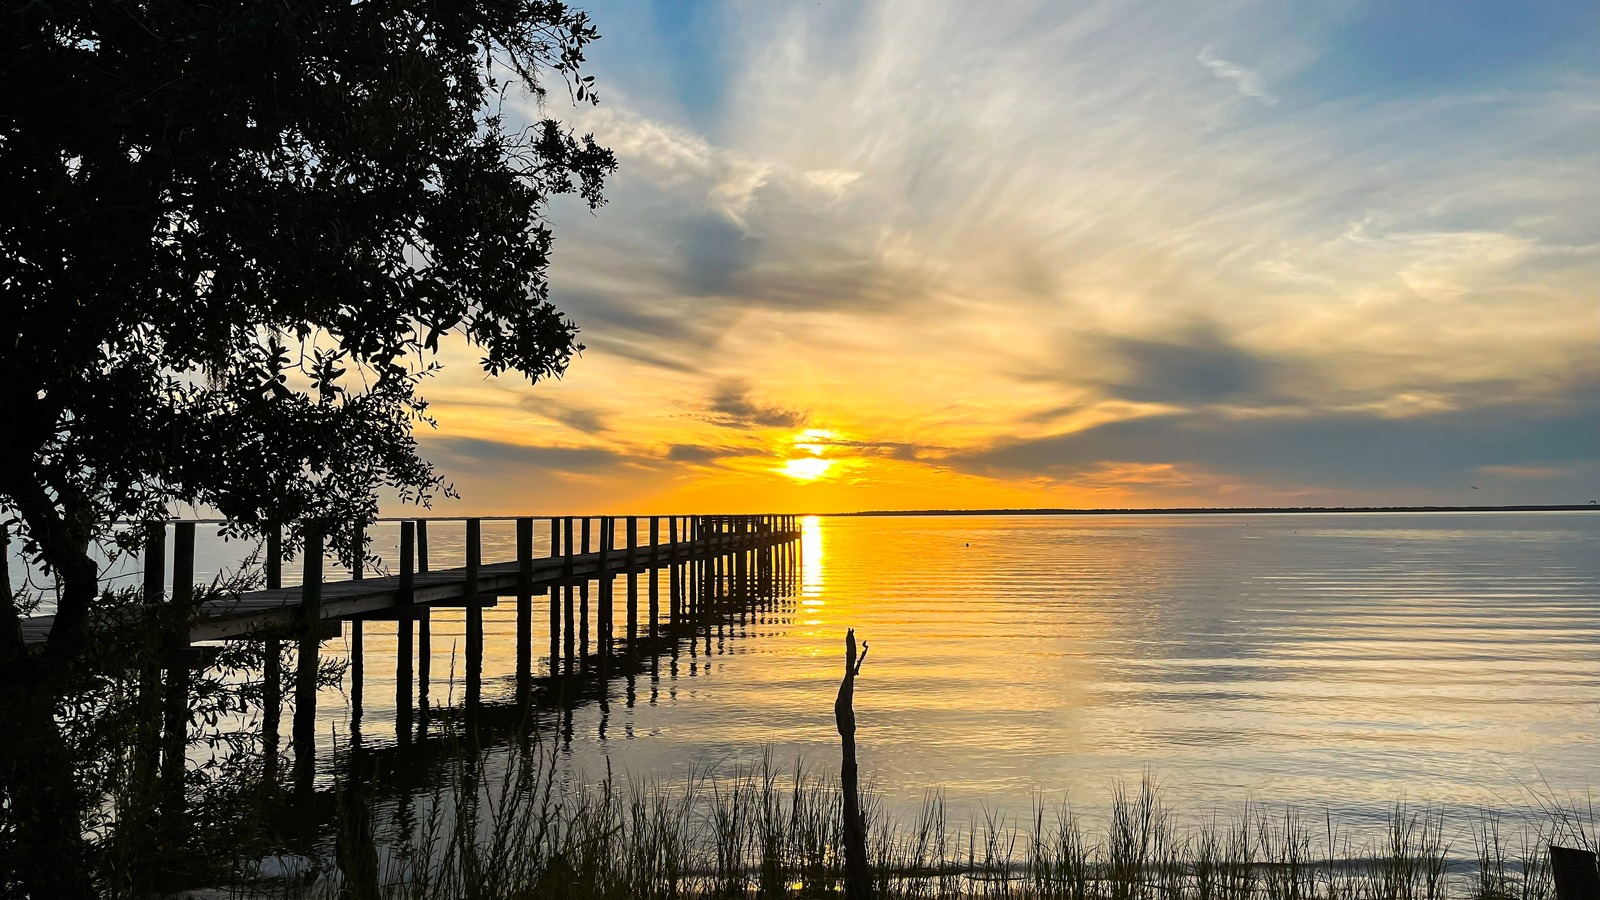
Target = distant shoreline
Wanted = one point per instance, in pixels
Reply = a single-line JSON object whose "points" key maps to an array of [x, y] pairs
{"points": [[1211, 511]]}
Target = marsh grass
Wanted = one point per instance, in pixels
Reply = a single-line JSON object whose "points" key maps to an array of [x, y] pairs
{"points": [[515, 825]]}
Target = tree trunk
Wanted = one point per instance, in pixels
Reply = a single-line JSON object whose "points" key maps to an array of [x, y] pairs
{"points": [[46, 849], [36, 772], [857, 875]]}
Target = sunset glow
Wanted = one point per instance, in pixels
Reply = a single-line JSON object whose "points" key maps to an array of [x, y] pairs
{"points": [[1216, 256], [807, 469]]}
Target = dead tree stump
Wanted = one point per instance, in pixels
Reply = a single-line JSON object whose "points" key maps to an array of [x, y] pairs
{"points": [[857, 876]]}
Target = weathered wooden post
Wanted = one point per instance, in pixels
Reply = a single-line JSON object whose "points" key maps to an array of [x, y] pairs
{"points": [[524, 607], [147, 749], [629, 562], [702, 565], [721, 573], [175, 699], [583, 603], [403, 675], [741, 560], [358, 667], [272, 666], [308, 643], [655, 582], [713, 563], [674, 608], [474, 613], [688, 568], [555, 601], [569, 591], [769, 554], [603, 581], [424, 626]]}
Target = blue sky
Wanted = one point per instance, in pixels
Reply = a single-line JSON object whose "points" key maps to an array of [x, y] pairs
{"points": [[907, 254]]}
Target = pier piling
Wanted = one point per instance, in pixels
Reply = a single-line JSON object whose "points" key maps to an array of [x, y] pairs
{"points": [[308, 643], [555, 601], [474, 614]]}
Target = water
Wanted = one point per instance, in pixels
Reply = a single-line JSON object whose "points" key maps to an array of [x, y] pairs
{"points": [[1330, 661]]}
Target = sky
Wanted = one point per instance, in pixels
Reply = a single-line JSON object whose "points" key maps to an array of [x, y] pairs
{"points": [[898, 255]]}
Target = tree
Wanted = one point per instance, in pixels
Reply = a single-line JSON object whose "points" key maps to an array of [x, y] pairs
{"points": [[234, 236]]}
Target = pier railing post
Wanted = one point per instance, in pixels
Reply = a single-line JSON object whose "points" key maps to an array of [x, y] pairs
{"points": [[524, 606], [308, 644], [583, 603], [742, 560], [358, 668], [555, 600], [674, 609], [147, 747], [272, 666], [175, 701], [655, 581], [721, 572], [633, 584], [424, 627], [474, 613], [603, 580], [694, 535], [568, 592], [404, 680]]}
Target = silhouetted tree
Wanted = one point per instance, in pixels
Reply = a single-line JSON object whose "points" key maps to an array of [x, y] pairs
{"points": [[233, 237]]}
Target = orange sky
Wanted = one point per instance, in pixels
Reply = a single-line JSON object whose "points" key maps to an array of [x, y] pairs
{"points": [[909, 255]]}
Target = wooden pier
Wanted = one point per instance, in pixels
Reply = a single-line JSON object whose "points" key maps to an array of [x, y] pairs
{"points": [[713, 564]]}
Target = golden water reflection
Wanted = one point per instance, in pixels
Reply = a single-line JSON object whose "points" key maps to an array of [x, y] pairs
{"points": [[811, 580]]}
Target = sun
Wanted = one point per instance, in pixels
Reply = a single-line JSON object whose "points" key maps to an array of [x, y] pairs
{"points": [[814, 440], [808, 468]]}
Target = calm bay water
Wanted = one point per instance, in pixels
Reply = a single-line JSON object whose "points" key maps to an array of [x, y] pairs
{"points": [[1341, 661], [1335, 661]]}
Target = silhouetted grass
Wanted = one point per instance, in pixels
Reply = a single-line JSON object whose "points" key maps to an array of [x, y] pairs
{"points": [[527, 833]]}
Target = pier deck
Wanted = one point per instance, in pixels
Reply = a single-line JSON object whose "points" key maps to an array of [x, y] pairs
{"points": [[278, 609]]}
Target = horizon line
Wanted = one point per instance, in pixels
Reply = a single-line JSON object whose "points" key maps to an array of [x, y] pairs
{"points": [[1211, 510]]}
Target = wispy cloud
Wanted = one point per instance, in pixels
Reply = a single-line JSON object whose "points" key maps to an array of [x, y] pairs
{"points": [[733, 407], [1247, 81]]}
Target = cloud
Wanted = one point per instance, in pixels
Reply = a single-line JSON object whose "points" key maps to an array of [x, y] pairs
{"points": [[699, 454], [713, 252], [1524, 471], [1198, 366], [1247, 81], [899, 450], [732, 407], [472, 453], [1324, 449], [585, 419]]}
